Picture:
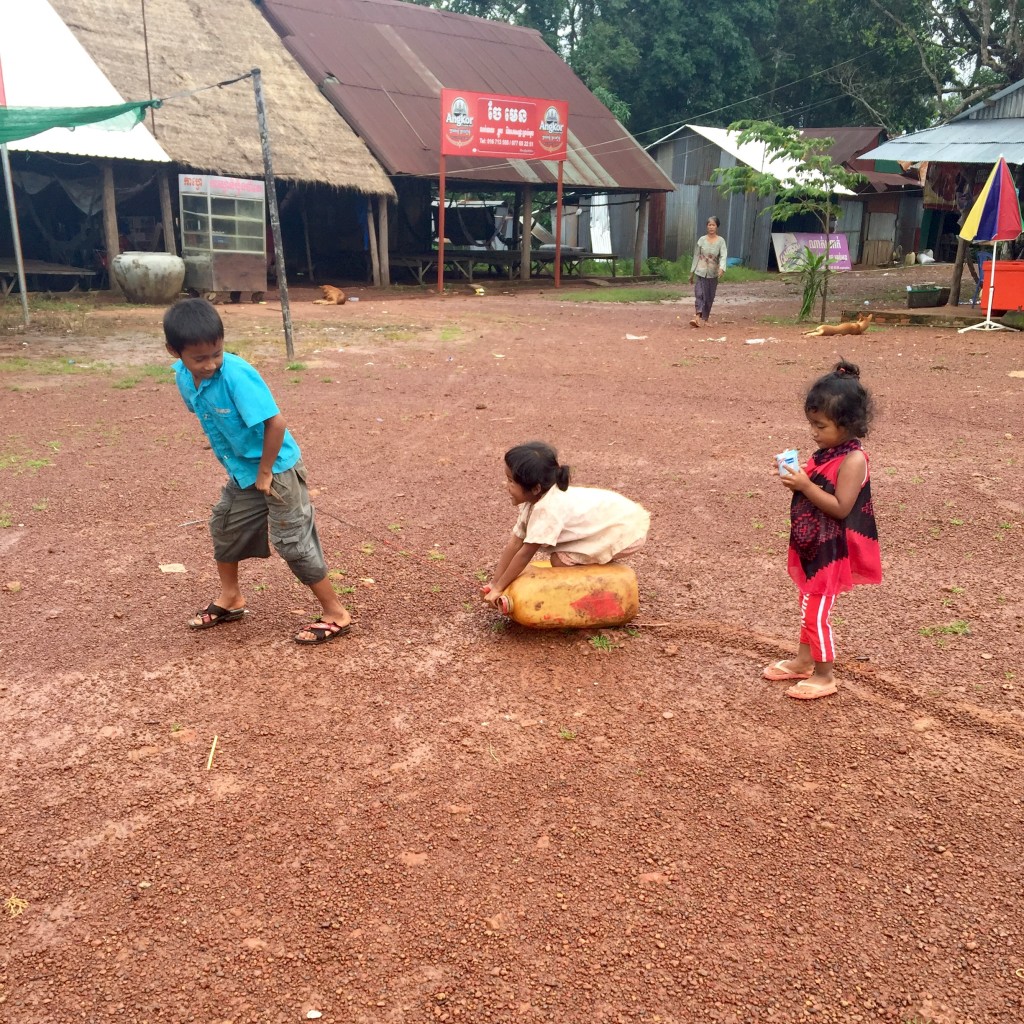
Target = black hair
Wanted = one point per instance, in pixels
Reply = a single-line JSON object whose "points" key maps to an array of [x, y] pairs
{"points": [[192, 322], [841, 397], [717, 220], [536, 464]]}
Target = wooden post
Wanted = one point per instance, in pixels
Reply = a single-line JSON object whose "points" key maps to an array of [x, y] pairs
{"points": [[558, 226], [275, 217], [641, 229], [526, 239], [440, 225], [110, 233], [385, 243], [167, 215], [15, 234], [374, 252], [958, 272], [305, 236]]}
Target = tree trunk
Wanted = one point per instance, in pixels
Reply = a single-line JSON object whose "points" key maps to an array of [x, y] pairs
{"points": [[828, 265]]}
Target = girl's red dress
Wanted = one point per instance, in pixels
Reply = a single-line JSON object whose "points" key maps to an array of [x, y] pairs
{"points": [[826, 555]]}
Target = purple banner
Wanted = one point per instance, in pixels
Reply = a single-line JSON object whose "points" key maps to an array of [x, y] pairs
{"points": [[790, 245]]}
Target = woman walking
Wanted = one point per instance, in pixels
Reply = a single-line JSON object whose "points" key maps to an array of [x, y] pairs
{"points": [[709, 257]]}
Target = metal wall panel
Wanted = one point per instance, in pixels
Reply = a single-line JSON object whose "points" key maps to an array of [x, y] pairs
{"points": [[851, 224]]}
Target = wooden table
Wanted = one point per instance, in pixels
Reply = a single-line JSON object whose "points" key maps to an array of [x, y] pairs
{"points": [[36, 268]]}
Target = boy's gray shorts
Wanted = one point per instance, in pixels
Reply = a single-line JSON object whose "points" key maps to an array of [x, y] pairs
{"points": [[240, 520]]}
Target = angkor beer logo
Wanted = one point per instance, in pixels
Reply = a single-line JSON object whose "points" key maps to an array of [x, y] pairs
{"points": [[458, 123], [552, 131]]}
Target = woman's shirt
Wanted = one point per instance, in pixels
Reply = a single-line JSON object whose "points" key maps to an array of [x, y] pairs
{"points": [[708, 256], [585, 520]]}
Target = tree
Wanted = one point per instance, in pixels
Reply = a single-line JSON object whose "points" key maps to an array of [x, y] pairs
{"points": [[834, 62], [966, 49], [810, 190], [666, 63]]}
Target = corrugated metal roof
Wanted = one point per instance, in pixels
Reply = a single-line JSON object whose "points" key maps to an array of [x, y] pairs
{"points": [[753, 154], [848, 143], [1008, 102], [383, 64], [959, 142], [44, 65]]}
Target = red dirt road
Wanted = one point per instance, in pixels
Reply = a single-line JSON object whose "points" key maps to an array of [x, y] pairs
{"points": [[441, 818]]}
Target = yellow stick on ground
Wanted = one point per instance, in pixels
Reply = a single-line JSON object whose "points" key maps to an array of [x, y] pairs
{"points": [[209, 760]]}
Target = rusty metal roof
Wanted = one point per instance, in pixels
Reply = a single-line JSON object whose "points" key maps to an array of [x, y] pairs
{"points": [[383, 64], [846, 149]]}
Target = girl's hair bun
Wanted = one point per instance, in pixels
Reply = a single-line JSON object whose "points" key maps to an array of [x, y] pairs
{"points": [[845, 369]]}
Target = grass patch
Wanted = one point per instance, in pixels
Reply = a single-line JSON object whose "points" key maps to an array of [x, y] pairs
{"points": [[600, 643], [48, 315], [745, 275], [20, 464], [566, 734], [622, 295], [6, 522], [958, 628], [678, 271], [295, 366], [44, 367], [450, 333]]}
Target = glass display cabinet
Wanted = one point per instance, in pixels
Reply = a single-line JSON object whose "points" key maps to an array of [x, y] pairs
{"points": [[223, 235]]}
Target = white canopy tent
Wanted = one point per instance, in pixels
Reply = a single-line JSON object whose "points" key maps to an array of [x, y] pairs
{"points": [[42, 64]]}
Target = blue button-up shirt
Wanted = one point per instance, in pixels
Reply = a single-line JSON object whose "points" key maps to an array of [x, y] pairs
{"points": [[232, 407]]}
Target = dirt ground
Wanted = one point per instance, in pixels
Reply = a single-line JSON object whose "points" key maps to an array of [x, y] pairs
{"points": [[443, 817]]}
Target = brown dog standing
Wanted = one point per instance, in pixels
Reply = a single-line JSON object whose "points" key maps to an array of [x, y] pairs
{"points": [[858, 326]]}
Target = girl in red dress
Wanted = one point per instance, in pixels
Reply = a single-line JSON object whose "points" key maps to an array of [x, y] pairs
{"points": [[833, 542]]}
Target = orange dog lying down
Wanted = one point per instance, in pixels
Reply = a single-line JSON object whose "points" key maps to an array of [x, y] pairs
{"points": [[858, 326], [332, 296]]}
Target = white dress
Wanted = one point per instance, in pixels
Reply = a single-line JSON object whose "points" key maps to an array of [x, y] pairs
{"points": [[589, 522]]}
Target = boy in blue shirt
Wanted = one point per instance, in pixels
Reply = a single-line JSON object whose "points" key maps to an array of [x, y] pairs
{"points": [[266, 482]]}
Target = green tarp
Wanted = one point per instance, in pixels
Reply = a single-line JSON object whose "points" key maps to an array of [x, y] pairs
{"points": [[24, 122]]}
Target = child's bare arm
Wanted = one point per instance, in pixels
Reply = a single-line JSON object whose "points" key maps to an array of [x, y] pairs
{"points": [[510, 549], [514, 559], [273, 438], [519, 561], [848, 485]]}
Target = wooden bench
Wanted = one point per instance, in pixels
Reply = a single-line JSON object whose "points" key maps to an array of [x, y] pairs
{"points": [[503, 262], [572, 260], [36, 268]]}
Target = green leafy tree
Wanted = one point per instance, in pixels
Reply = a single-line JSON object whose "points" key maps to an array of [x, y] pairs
{"points": [[966, 49], [835, 62], [811, 189], [670, 61]]}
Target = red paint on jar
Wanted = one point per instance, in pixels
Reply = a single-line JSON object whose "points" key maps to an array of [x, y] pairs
{"points": [[603, 604]]}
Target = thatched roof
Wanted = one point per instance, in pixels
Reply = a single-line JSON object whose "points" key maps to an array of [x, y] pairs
{"points": [[195, 44]]}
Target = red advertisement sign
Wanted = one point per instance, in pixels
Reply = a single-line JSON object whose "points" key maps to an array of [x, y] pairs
{"points": [[514, 127]]}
